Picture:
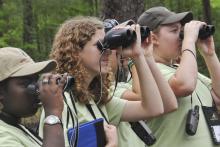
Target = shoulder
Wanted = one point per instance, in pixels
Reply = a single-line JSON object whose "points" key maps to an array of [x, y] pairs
{"points": [[9, 135]]}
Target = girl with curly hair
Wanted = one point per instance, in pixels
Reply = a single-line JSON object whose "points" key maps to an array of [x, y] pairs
{"points": [[76, 52]]}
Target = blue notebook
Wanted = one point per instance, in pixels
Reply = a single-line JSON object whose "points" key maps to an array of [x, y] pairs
{"points": [[91, 134]]}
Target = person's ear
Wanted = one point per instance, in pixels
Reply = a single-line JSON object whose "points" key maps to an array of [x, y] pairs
{"points": [[154, 39]]}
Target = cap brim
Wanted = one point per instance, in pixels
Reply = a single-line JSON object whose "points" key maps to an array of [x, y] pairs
{"points": [[183, 18], [35, 68]]}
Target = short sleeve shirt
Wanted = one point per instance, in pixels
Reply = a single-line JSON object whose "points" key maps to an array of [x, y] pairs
{"points": [[126, 136], [169, 129], [112, 111], [11, 136]]}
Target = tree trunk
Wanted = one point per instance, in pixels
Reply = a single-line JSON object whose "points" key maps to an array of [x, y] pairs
{"points": [[28, 22], [207, 11], [1, 5], [122, 10]]}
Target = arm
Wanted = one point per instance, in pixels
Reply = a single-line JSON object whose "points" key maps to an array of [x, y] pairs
{"points": [[207, 50], [183, 82], [168, 97], [52, 100], [134, 94], [151, 102]]}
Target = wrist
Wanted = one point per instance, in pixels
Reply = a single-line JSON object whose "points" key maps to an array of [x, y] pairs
{"points": [[53, 120], [111, 145], [188, 40], [53, 112], [189, 51], [208, 55], [210, 58], [190, 44], [149, 58]]}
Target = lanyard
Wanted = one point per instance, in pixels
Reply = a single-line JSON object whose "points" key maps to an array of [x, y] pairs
{"points": [[89, 107]]}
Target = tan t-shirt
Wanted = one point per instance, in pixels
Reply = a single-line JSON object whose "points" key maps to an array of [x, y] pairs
{"points": [[11, 136]]}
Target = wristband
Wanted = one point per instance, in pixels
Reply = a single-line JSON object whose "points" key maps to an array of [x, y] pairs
{"points": [[189, 51]]}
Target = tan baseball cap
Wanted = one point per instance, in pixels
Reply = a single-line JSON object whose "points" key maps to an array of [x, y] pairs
{"points": [[156, 16], [14, 62]]}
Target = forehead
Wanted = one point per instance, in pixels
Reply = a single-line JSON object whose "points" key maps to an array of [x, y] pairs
{"points": [[172, 25], [29, 78]]}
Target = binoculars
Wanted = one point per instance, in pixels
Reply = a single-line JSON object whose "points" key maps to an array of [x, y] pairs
{"points": [[204, 32], [33, 88], [123, 37]]}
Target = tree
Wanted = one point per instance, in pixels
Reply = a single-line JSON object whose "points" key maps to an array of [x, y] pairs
{"points": [[28, 24], [207, 11], [122, 10]]}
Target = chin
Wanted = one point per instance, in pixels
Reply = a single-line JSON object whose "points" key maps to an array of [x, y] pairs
{"points": [[105, 69], [104, 72], [31, 112]]}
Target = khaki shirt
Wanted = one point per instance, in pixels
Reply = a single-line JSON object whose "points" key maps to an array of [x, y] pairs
{"points": [[11, 136]]}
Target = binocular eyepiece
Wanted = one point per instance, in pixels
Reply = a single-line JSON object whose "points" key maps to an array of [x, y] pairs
{"points": [[33, 88], [204, 32], [124, 37], [109, 24]]}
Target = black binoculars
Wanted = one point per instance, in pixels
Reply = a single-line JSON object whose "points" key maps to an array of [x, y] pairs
{"points": [[33, 88], [109, 24], [123, 37], [204, 32]]}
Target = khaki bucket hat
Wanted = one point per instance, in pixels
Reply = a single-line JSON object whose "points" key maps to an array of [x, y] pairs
{"points": [[14, 62], [156, 16]]}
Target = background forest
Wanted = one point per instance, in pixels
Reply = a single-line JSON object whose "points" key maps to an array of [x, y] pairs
{"points": [[31, 24]]}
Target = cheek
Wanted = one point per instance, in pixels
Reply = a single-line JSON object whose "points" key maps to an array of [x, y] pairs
{"points": [[18, 97], [171, 42], [90, 58], [168, 46]]}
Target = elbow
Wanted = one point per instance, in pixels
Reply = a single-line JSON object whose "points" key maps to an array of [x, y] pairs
{"points": [[184, 89], [154, 112], [158, 113], [171, 108]]}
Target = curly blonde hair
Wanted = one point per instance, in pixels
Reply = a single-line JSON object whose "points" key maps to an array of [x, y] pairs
{"points": [[69, 41]]}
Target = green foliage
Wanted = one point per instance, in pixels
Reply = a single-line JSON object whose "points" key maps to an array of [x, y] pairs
{"points": [[10, 24], [49, 14], [215, 3]]}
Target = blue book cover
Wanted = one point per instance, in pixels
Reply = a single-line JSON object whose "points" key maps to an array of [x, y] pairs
{"points": [[90, 134]]}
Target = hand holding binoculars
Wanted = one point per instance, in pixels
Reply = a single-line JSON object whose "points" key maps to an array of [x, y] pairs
{"points": [[123, 37], [33, 88], [204, 32]]}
